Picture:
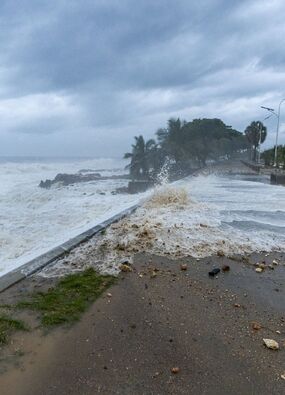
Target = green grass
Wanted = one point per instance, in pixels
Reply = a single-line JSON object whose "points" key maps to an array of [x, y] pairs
{"points": [[70, 297], [9, 325]]}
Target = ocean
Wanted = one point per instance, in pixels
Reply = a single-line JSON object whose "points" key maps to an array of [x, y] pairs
{"points": [[34, 220], [238, 213]]}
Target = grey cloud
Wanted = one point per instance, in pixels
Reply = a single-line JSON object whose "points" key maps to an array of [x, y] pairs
{"points": [[128, 66]]}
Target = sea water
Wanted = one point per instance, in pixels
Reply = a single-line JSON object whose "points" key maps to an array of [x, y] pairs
{"points": [[33, 220], [195, 216]]}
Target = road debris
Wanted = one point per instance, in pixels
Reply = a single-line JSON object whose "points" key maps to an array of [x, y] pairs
{"points": [[272, 344], [256, 326], [214, 272], [153, 274], [126, 268]]}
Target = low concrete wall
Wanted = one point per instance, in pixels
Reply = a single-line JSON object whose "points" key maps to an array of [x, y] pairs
{"points": [[43, 260], [252, 166], [139, 186], [277, 179]]}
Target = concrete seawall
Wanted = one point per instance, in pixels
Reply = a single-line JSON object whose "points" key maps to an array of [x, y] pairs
{"points": [[43, 260], [277, 179]]}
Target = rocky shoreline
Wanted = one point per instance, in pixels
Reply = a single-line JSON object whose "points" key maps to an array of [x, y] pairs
{"points": [[63, 179]]}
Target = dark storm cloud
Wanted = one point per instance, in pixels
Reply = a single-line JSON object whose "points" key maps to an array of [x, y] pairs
{"points": [[103, 71]]}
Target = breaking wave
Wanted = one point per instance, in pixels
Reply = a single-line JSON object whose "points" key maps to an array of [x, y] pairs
{"points": [[173, 223], [168, 196]]}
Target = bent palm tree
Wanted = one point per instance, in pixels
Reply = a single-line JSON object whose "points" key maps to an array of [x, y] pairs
{"points": [[142, 157], [256, 134]]}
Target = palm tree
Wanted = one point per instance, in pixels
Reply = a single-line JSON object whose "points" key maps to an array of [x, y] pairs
{"points": [[171, 138], [256, 134], [142, 158]]}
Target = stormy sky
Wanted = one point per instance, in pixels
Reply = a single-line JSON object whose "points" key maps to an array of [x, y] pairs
{"points": [[82, 77]]}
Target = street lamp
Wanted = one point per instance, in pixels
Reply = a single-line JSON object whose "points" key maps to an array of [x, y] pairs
{"points": [[277, 129]]}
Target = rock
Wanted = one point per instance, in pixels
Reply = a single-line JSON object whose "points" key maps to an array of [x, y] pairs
{"points": [[256, 326], [283, 376], [109, 295], [259, 270], [125, 268], [225, 268], [237, 305], [125, 262], [214, 272], [183, 266], [220, 253], [272, 344], [275, 262], [62, 179], [175, 370], [153, 274]]}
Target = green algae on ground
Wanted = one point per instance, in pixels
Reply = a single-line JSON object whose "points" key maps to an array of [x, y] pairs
{"points": [[69, 298], [9, 325]]}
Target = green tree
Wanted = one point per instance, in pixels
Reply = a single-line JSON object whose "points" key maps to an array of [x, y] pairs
{"points": [[268, 156], [199, 140], [256, 134]]}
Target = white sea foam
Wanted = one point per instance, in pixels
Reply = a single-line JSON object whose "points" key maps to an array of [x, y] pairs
{"points": [[33, 220], [195, 216]]}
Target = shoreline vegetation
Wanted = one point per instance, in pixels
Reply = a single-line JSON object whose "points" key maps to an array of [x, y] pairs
{"points": [[183, 147]]}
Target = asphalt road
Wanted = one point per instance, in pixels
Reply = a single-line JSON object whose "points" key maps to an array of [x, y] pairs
{"points": [[160, 317]]}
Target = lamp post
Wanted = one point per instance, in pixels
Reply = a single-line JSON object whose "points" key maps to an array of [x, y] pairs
{"points": [[277, 128]]}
